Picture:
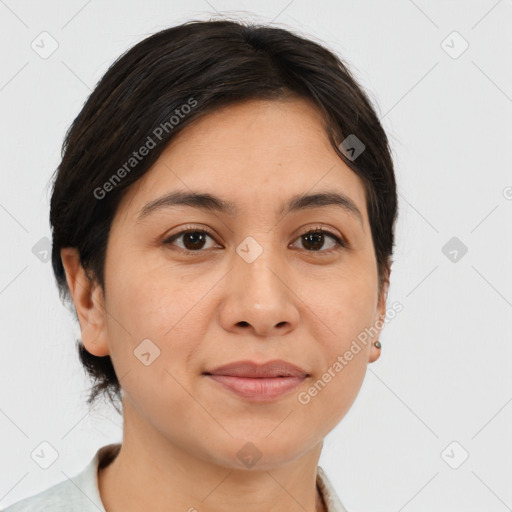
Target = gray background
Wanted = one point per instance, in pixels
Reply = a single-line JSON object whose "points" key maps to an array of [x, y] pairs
{"points": [[442, 388]]}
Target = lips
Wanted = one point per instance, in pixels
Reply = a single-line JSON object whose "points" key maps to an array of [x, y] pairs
{"points": [[253, 370], [258, 382]]}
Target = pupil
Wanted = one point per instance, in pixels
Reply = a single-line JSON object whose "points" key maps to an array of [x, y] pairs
{"points": [[193, 237], [319, 238], [196, 238]]}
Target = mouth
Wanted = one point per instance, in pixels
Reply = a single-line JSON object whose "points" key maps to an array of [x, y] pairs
{"points": [[258, 382]]}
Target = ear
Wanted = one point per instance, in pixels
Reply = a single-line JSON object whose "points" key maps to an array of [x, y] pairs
{"points": [[381, 314], [89, 303]]}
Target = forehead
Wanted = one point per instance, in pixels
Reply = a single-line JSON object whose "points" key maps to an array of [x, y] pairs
{"points": [[255, 154]]}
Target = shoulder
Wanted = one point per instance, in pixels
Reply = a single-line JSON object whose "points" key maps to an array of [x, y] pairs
{"points": [[60, 497], [329, 495], [76, 494]]}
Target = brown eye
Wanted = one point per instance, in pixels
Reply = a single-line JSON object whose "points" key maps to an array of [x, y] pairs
{"points": [[193, 239], [314, 240]]}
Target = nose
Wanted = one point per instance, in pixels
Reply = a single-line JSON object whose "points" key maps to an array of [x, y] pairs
{"points": [[259, 298]]}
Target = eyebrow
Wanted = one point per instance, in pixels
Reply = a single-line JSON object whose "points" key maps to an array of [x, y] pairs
{"points": [[210, 202]]}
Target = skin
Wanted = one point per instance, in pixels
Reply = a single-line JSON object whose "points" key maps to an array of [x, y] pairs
{"points": [[182, 431]]}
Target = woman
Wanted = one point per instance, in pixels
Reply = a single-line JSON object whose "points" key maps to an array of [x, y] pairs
{"points": [[223, 221]]}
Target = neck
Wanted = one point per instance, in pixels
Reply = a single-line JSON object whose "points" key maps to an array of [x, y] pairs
{"points": [[152, 472]]}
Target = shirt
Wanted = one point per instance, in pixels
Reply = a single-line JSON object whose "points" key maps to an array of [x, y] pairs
{"points": [[81, 493]]}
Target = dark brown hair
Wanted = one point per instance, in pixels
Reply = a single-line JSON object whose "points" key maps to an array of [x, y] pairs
{"points": [[168, 81]]}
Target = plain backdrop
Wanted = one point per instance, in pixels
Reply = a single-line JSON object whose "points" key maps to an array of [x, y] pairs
{"points": [[431, 427]]}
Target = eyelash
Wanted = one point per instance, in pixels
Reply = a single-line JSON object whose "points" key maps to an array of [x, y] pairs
{"points": [[341, 244]]}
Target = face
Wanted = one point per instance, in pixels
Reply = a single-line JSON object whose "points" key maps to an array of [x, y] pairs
{"points": [[247, 283]]}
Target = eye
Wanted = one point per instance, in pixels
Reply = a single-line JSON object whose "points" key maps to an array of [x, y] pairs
{"points": [[193, 239], [315, 238]]}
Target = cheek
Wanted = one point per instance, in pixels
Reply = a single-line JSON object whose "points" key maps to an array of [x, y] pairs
{"points": [[154, 326], [343, 318], [160, 305], [344, 314], [152, 300], [346, 306]]}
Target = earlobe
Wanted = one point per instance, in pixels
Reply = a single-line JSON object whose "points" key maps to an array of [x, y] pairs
{"points": [[375, 349], [89, 303], [374, 352]]}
